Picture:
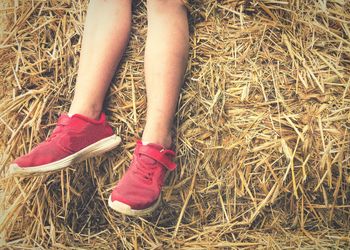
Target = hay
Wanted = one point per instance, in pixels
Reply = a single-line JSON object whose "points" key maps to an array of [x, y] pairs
{"points": [[262, 130]]}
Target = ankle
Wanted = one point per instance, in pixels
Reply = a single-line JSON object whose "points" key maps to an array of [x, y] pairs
{"points": [[158, 138], [93, 113]]}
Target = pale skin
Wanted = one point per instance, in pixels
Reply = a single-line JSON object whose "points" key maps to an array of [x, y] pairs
{"points": [[105, 37]]}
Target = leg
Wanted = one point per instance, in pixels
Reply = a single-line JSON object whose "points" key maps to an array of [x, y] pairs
{"points": [[138, 192], [106, 33], [165, 64]]}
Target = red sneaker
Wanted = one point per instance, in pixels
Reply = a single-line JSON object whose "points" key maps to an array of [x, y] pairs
{"points": [[138, 192], [74, 139]]}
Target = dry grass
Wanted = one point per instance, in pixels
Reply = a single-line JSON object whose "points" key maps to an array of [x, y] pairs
{"points": [[262, 130]]}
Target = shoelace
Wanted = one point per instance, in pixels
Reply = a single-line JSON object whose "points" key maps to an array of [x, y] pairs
{"points": [[145, 172]]}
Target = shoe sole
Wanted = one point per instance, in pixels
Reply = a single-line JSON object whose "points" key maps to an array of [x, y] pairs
{"points": [[97, 148], [127, 210]]}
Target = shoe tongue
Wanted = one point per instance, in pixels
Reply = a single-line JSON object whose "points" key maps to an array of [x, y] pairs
{"points": [[63, 119]]}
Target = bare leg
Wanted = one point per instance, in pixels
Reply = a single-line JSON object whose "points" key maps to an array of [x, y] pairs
{"points": [[165, 64], [106, 34]]}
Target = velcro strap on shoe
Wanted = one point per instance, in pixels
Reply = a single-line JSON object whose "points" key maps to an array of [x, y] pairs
{"points": [[160, 156]]}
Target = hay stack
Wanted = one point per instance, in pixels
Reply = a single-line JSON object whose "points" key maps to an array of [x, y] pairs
{"points": [[262, 130]]}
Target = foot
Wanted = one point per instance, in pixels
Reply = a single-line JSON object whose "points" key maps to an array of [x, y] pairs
{"points": [[74, 139], [138, 192]]}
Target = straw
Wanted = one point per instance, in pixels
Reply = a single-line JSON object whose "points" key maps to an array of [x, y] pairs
{"points": [[262, 130]]}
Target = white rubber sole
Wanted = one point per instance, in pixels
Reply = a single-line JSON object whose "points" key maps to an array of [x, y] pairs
{"points": [[97, 148], [123, 208]]}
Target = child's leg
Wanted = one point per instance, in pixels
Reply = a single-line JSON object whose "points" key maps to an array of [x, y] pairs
{"points": [[165, 63], [106, 34], [138, 192]]}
